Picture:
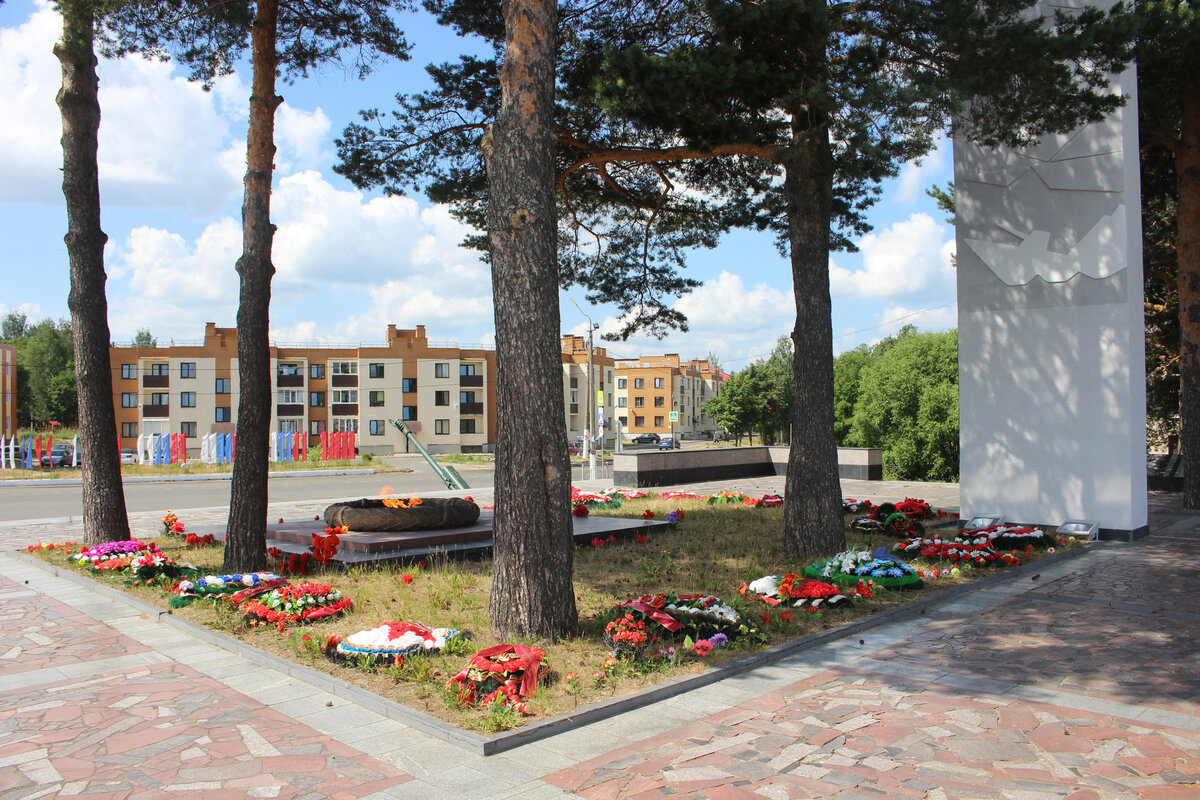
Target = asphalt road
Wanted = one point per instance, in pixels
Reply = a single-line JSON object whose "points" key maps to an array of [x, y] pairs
{"points": [[47, 500]]}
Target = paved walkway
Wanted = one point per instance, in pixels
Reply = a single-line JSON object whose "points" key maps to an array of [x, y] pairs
{"points": [[1081, 683]]}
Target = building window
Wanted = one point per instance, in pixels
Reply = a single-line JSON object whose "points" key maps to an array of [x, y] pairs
{"points": [[375, 398], [659, 402], [188, 429], [639, 422], [317, 372], [658, 383], [187, 399], [441, 399], [128, 430], [574, 395], [441, 369], [622, 402], [408, 412], [290, 397], [128, 399], [609, 379], [466, 397], [160, 399], [345, 395], [638, 402], [163, 370], [316, 399], [344, 367], [316, 427], [222, 386], [375, 427], [408, 385], [441, 427], [638, 383], [622, 383], [466, 369], [129, 372], [187, 369], [466, 425], [345, 424], [624, 421], [223, 414], [658, 422], [374, 370], [290, 425], [288, 369]]}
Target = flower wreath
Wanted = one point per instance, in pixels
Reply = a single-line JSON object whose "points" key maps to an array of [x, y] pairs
{"points": [[391, 639], [592, 499], [850, 565], [212, 587], [505, 674], [1007, 537], [726, 497], [980, 555], [110, 551], [801, 592], [300, 603], [852, 506], [695, 615]]}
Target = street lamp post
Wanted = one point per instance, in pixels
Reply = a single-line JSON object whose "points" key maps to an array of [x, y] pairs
{"points": [[588, 450]]}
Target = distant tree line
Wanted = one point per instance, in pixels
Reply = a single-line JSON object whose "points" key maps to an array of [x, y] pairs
{"points": [[758, 399], [45, 370]]}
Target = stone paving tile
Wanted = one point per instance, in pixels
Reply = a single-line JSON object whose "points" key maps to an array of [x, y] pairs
{"points": [[37, 632], [858, 736], [167, 731]]}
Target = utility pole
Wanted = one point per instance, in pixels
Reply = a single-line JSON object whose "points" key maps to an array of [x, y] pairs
{"points": [[591, 419]]}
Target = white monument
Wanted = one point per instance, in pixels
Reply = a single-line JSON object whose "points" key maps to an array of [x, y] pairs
{"points": [[1052, 384]]}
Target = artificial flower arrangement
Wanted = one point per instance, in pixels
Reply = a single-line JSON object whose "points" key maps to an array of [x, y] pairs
{"points": [[67, 548], [391, 641], [504, 674], [1006, 537], [852, 506], [797, 591], [628, 494], [233, 587], [324, 548], [592, 499], [295, 603], [892, 520], [580, 510], [850, 565], [696, 616], [289, 563], [627, 636], [766, 501], [980, 555], [679, 495], [171, 524], [150, 565], [726, 497], [113, 555], [915, 508]]}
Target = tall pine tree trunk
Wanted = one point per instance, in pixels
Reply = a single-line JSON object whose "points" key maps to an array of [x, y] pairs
{"points": [[812, 501], [246, 535], [104, 516], [532, 590]]}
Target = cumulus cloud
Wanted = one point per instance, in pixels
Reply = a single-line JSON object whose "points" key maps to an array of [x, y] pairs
{"points": [[917, 176], [163, 141], [910, 257]]}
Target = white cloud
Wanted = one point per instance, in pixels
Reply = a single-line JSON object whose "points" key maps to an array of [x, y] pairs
{"points": [[910, 257], [917, 176], [163, 141], [302, 138], [926, 319]]}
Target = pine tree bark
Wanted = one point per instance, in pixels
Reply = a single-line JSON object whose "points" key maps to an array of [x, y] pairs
{"points": [[812, 501], [246, 534], [104, 515], [1187, 244], [532, 589]]}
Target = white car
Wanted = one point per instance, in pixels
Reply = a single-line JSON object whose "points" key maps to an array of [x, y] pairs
{"points": [[128, 456]]}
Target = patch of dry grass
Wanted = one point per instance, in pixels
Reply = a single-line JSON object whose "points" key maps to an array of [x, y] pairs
{"points": [[712, 551]]}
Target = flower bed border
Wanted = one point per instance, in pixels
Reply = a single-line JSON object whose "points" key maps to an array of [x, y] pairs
{"points": [[596, 712]]}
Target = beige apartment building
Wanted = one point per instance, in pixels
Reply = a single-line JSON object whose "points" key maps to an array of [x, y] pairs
{"points": [[650, 388], [578, 388], [445, 393]]}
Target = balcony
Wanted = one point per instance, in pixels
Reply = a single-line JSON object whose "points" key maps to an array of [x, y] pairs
{"points": [[289, 410], [343, 381], [344, 409], [470, 409], [290, 380], [156, 381], [470, 380], [574, 408], [156, 412]]}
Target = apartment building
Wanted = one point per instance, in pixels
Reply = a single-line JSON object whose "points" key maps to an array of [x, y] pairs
{"points": [[445, 393], [664, 395], [8, 390], [577, 384]]}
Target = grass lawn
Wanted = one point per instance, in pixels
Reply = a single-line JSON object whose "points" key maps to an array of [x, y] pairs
{"points": [[713, 550]]}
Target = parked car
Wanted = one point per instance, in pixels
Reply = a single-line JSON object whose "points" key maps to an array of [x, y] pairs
{"points": [[668, 443], [720, 436], [59, 456], [574, 449], [646, 438], [128, 455]]}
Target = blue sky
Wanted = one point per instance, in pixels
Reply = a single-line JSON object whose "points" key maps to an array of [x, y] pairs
{"points": [[349, 263]]}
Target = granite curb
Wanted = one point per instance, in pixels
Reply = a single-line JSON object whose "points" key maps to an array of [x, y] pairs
{"points": [[215, 476], [596, 712]]}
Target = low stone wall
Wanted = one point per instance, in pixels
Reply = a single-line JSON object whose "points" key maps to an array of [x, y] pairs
{"points": [[669, 467]]}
